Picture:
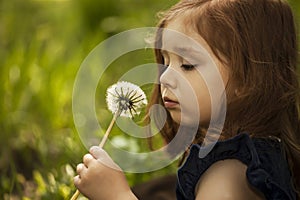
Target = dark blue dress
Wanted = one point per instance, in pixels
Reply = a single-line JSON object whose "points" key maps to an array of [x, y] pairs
{"points": [[267, 170]]}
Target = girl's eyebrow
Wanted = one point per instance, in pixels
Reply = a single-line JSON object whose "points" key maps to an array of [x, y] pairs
{"points": [[189, 52], [181, 50], [185, 50]]}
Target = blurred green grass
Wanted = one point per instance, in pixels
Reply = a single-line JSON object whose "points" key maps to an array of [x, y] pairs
{"points": [[42, 44]]}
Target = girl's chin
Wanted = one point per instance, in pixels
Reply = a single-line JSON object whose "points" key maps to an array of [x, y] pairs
{"points": [[186, 122]]}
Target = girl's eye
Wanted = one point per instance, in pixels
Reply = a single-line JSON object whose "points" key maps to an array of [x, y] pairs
{"points": [[188, 67]]}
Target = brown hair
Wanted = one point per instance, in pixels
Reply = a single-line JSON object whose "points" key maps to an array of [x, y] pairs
{"points": [[256, 39]]}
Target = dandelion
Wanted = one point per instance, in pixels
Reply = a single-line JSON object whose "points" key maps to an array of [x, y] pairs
{"points": [[123, 99]]}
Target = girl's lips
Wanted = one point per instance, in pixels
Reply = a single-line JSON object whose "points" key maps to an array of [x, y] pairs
{"points": [[170, 103]]}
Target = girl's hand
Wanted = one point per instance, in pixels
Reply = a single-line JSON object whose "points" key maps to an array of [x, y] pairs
{"points": [[100, 178]]}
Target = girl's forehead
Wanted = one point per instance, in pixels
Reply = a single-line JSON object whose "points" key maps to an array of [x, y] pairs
{"points": [[180, 31], [178, 40], [192, 50]]}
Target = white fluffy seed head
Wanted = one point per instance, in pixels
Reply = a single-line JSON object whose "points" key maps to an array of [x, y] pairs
{"points": [[125, 98]]}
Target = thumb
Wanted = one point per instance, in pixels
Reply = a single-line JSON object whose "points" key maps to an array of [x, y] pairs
{"points": [[102, 156], [97, 152]]}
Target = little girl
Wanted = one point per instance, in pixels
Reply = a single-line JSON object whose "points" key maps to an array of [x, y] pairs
{"points": [[253, 43]]}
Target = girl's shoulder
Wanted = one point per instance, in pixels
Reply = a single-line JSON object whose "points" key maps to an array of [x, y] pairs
{"points": [[231, 182], [267, 170]]}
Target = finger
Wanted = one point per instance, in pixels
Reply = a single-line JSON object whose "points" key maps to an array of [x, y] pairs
{"points": [[79, 168], [103, 157], [97, 152], [83, 173], [87, 159], [77, 180]]}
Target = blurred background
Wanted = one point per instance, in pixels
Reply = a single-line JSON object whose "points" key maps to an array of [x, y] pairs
{"points": [[42, 44]]}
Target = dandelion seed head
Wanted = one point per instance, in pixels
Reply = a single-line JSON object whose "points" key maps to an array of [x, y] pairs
{"points": [[126, 98]]}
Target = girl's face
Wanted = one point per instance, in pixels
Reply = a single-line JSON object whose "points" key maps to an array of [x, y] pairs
{"points": [[190, 76]]}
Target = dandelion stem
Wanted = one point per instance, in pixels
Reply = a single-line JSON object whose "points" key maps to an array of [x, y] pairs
{"points": [[75, 195], [116, 115]]}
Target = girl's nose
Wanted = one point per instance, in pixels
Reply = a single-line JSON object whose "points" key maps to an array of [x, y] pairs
{"points": [[168, 77]]}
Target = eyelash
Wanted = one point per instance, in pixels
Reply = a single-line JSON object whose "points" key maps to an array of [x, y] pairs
{"points": [[188, 67], [185, 67]]}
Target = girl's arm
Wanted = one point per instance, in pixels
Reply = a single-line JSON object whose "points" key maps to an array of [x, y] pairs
{"points": [[100, 178], [226, 179]]}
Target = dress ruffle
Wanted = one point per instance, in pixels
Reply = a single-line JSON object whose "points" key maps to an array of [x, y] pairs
{"points": [[267, 170]]}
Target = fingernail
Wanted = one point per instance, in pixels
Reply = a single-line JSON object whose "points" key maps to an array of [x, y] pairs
{"points": [[93, 148]]}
